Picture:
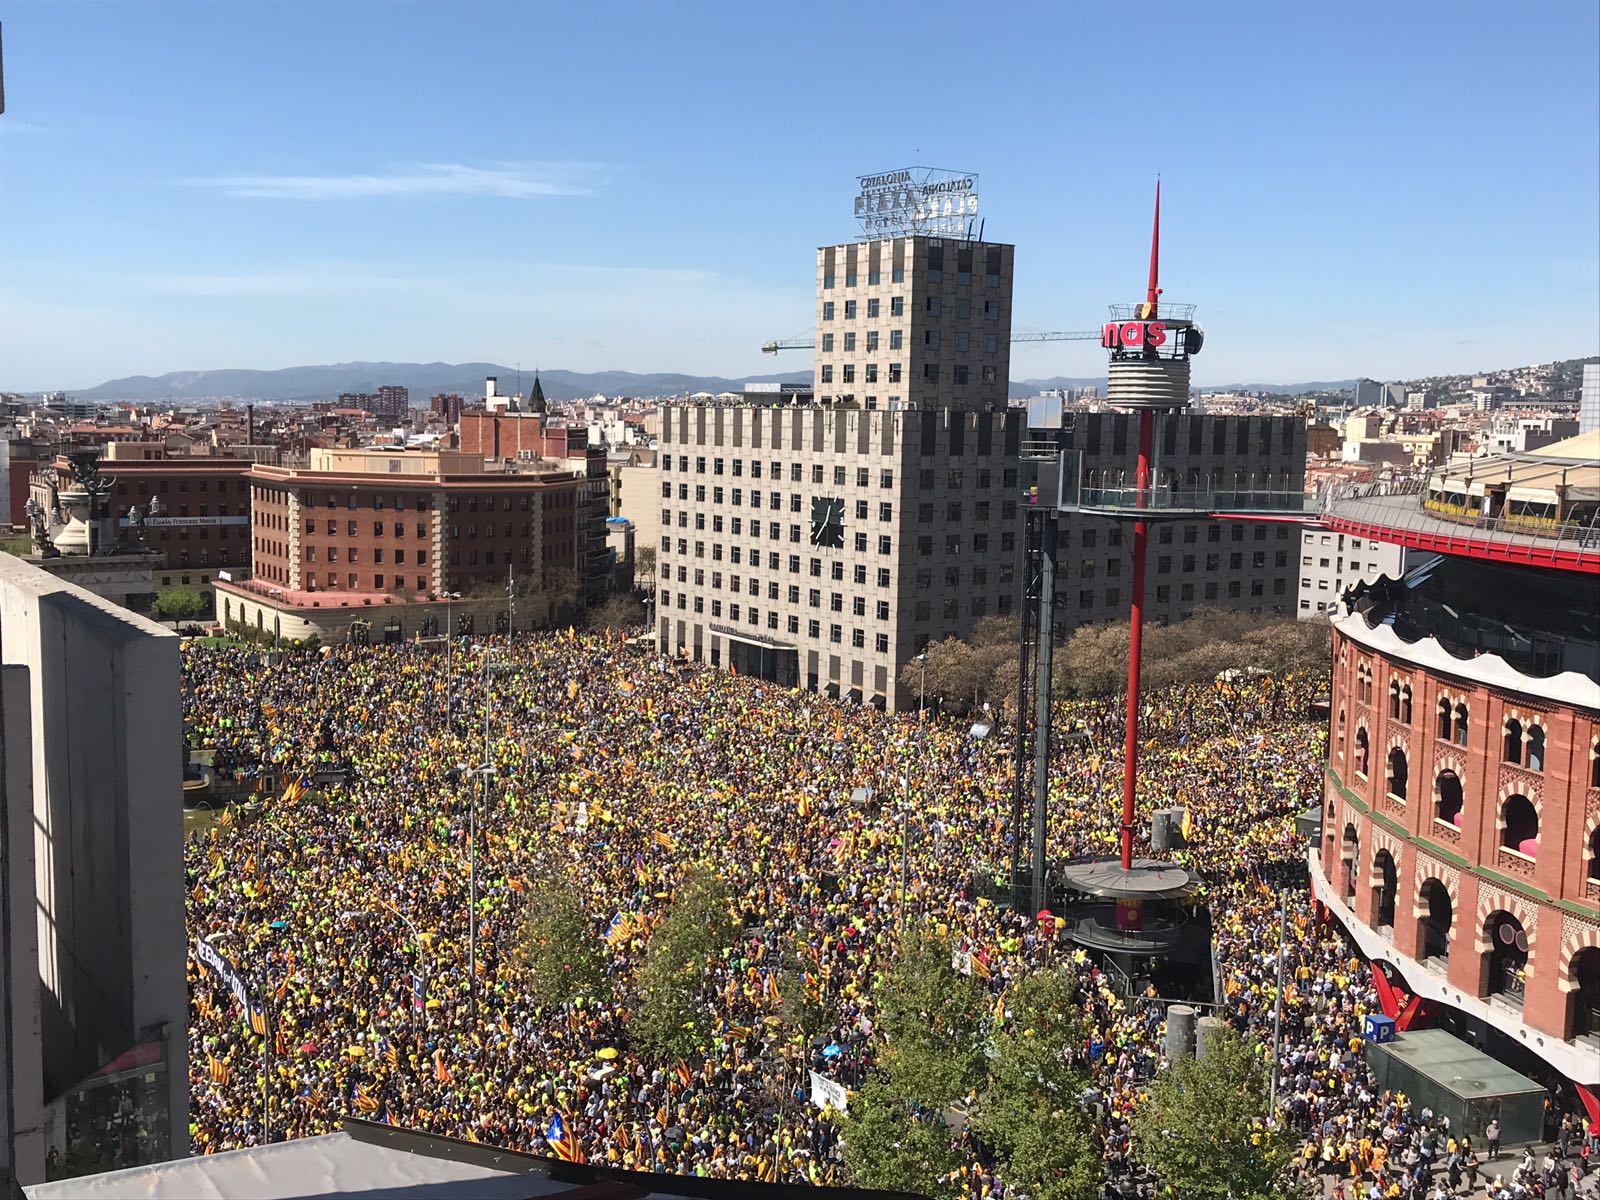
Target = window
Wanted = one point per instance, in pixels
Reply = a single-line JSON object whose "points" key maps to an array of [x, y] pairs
{"points": [[881, 643], [897, 306], [1534, 760], [827, 310], [1363, 751], [1512, 742], [1519, 825], [1397, 776], [873, 307], [849, 310], [1447, 798]]}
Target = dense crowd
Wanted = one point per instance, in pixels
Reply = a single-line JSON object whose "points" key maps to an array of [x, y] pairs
{"points": [[616, 772]]}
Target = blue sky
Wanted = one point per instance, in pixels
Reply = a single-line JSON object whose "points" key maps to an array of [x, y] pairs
{"points": [[1380, 188]]}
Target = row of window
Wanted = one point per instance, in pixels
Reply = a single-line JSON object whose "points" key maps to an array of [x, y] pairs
{"points": [[960, 373], [1524, 747], [898, 275], [955, 480], [836, 571], [353, 555], [885, 543], [162, 486], [932, 305]]}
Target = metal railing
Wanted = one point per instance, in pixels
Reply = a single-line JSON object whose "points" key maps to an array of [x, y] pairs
{"points": [[1401, 506], [1199, 499]]}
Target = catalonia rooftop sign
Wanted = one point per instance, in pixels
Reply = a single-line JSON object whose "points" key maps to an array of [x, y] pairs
{"points": [[925, 200]]}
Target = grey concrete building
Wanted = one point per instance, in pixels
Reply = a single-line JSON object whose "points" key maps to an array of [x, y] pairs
{"points": [[824, 547], [107, 829], [1332, 562], [22, 1152], [1589, 399]]}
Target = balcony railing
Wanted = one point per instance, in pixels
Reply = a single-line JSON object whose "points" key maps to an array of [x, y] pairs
{"points": [[1404, 505], [1195, 499]]}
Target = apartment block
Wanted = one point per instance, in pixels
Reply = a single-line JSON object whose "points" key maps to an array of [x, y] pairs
{"points": [[1332, 562]]}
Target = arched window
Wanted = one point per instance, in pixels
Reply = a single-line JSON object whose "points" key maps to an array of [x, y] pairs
{"points": [[1434, 934], [1384, 862], [1349, 853], [1520, 825], [1594, 854], [1405, 704], [1535, 740], [1397, 773], [1513, 741], [1362, 750], [1508, 956], [1461, 723], [1585, 998], [1594, 765], [1447, 798], [1444, 718], [1394, 699]]}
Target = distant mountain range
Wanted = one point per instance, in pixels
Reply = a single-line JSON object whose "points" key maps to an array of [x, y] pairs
{"points": [[422, 379], [304, 384]]}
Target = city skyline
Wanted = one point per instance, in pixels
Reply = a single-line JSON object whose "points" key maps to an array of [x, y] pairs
{"points": [[654, 206]]}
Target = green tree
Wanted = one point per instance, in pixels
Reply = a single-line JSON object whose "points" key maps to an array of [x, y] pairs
{"points": [[801, 1008], [180, 604], [673, 1017], [892, 1143], [1202, 1131], [1030, 1111], [559, 945], [929, 1015]]}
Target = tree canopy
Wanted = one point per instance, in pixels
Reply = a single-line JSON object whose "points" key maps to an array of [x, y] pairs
{"points": [[1202, 1131], [560, 945], [673, 1016]]}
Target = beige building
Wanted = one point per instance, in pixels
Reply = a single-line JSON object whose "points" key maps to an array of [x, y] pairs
{"points": [[824, 545], [914, 322]]}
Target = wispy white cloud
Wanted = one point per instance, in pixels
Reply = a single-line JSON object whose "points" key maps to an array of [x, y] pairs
{"points": [[510, 181]]}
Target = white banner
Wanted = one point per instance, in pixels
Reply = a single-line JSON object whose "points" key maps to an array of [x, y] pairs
{"points": [[828, 1093]]}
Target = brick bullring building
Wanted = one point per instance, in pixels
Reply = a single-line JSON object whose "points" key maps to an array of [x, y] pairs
{"points": [[1461, 813], [401, 530]]}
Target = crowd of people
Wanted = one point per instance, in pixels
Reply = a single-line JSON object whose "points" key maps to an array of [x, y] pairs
{"points": [[346, 903]]}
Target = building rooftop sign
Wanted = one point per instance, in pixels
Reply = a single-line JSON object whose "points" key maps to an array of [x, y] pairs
{"points": [[913, 200]]}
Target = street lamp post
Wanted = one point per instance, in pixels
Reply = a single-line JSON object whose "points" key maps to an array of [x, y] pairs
{"points": [[1277, 1008], [483, 771], [449, 655]]}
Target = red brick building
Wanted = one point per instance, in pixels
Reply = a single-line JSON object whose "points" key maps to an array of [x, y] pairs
{"points": [[1461, 813], [499, 435], [418, 522], [203, 520]]}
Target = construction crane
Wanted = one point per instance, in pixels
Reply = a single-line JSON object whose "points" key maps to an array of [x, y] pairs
{"points": [[810, 343]]}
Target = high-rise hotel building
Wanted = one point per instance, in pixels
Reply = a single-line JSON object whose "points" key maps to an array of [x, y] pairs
{"points": [[824, 546]]}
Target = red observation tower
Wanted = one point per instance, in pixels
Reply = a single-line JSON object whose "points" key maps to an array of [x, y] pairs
{"points": [[1132, 911]]}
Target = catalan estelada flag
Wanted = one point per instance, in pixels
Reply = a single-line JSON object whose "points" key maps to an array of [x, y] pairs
{"points": [[219, 1069], [1187, 827], [562, 1142], [683, 1073]]}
